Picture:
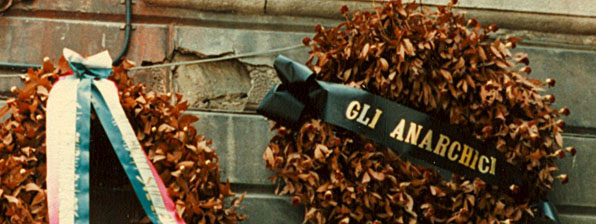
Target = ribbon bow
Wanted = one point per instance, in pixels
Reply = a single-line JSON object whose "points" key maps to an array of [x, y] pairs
{"points": [[67, 140]]}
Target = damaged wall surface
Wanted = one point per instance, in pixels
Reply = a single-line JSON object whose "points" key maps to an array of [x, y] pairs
{"points": [[560, 40]]}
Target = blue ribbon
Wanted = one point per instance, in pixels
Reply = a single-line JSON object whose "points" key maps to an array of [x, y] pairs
{"points": [[87, 95]]}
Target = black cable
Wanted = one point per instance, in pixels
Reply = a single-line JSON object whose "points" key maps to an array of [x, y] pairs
{"points": [[17, 66], [128, 29]]}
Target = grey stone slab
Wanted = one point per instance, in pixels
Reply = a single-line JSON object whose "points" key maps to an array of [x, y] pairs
{"points": [[2, 104], [579, 191], [574, 72], [7, 81], [307, 8], [270, 209], [245, 6], [239, 141], [565, 7], [577, 219], [550, 39], [218, 41]]}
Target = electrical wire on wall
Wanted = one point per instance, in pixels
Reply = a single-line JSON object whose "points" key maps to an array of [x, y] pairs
{"points": [[128, 30]]}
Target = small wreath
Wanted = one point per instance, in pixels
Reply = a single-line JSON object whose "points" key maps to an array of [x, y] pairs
{"points": [[187, 165]]}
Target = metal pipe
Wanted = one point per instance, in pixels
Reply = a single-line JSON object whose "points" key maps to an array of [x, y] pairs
{"points": [[128, 28], [5, 4], [17, 66]]}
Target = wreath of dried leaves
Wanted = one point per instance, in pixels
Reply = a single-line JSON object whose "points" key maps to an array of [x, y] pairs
{"points": [[188, 166], [439, 63]]}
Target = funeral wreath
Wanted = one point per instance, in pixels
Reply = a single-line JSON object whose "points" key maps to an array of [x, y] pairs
{"points": [[408, 114]]}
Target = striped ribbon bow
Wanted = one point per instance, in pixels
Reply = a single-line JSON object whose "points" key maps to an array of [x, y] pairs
{"points": [[67, 134]]}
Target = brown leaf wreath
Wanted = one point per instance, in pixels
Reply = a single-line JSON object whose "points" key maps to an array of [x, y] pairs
{"points": [[186, 163], [439, 63]]}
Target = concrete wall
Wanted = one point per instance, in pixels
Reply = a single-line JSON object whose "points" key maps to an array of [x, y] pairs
{"points": [[559, 36]]}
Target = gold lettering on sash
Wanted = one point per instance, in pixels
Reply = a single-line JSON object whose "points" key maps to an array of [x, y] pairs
{"points": [[352, 110], [466, 155], [473, 164], [442, 144], [362, 119], [375, 119], [483, 165], [454, 146], [456, 151], [398, 132], [413, 133], [427, 141], [493, 165]]}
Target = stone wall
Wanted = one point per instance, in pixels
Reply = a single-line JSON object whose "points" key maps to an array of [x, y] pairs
{"points": [[559, 36]]}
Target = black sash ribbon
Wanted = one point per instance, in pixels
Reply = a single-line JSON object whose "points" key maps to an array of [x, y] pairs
{"points": [[413, 135]]}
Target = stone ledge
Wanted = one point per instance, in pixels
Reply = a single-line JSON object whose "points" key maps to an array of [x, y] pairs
{"points": [[565, 7], [553, 18], [577, 219], [244, 6], [270, 209], [549, 19]]}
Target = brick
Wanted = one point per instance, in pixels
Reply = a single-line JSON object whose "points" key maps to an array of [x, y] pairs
{"points": [[239, 141], [29, 40]]}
